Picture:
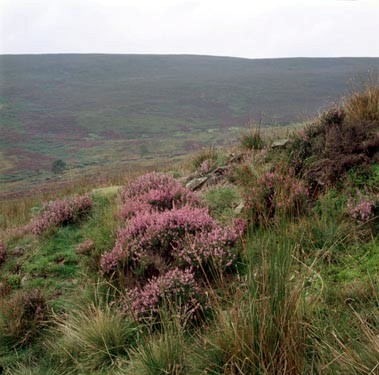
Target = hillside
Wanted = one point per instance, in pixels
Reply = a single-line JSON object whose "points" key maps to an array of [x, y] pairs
{"points": [[124, 111], [258, 258]]}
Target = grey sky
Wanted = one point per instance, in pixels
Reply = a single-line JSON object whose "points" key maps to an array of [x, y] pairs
{"points": [[245, 28]]}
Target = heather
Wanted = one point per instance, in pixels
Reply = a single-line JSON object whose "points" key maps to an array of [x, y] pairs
{"points": [[269, 266], [61, 212]]}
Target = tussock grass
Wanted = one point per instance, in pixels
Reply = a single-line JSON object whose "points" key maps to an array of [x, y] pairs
{"points": [[264, 330], [95, 338]]}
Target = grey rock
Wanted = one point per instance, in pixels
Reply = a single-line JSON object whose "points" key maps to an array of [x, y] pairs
{"points": [[24, 280], [196, 183], [281, 143], [239, 208]]}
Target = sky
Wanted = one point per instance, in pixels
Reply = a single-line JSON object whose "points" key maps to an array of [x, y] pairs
{"points": [[240, 28]]}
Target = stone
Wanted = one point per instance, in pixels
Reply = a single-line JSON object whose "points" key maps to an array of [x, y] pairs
{"points": [[196, 183], [281, 143], [239, 208]]}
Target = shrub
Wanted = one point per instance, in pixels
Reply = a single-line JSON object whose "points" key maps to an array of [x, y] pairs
{"points": [[154, 192], [363, 208], [58, 166], [340, 140], [3, 253], [168, 235], [61, 212], [23, 317], [161, 242], [275, 193], [178, 286]]}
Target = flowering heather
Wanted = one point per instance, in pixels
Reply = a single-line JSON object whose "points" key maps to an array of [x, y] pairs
{"points": [[362, 209], [176, 285], [203, 248], [206, 166], [3, 253], [154, 192], [277, 193], [61, 212], [158, 232]]}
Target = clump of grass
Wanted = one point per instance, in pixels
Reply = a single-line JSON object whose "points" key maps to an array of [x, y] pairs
{"points": [[23, 318], [252, 139], [221, 200], [162, 353], [94, 338], [264, 331], [210, 154], [363, 105]]}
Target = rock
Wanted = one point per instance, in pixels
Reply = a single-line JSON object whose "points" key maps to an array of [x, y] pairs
{"points": [[239, 208], [281, 143], [24, 280], [196, 183]]}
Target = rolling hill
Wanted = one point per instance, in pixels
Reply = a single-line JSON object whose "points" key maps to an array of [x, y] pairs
{"points": [[115, 110]]}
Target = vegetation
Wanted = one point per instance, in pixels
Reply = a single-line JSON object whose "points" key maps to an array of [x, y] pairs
{"points": [[269, 268], [123, 112]]}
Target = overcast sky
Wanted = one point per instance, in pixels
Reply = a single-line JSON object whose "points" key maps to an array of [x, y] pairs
{"points": [[244, 28]]}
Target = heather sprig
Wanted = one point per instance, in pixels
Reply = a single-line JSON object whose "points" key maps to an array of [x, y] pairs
{"points": [[362, 208]]}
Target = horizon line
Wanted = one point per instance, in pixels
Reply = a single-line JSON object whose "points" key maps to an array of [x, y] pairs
{"points": [[187, 54]]}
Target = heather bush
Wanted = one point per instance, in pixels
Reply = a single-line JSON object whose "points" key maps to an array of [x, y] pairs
{"points": [[23, 318], [342, 138], [363, 208], [3, 253], [154, 192], [275, 193], [176, 286], [164, 248], [186, 236], [61, 212]]}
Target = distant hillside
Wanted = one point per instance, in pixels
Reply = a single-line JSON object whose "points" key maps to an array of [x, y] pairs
{"points": [[103, 109]]}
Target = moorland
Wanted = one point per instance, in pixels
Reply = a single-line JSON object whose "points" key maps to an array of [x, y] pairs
{"points": [[110, 114]]}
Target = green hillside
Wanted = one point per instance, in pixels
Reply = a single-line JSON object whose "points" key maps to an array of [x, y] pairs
{"points": [[114, 110]]}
